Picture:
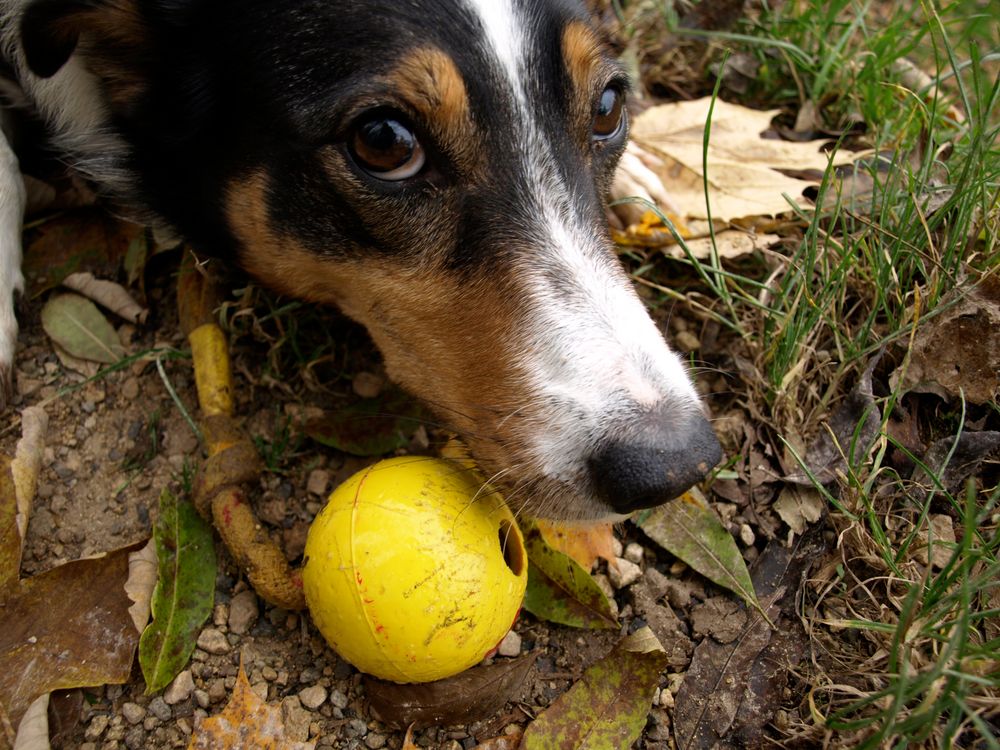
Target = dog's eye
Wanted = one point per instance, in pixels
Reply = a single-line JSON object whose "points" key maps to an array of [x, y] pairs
{"points": [[386, 147], [610, 112]]}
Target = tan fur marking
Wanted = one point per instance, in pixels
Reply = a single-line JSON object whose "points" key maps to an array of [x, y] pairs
{"points": [[453, 342], [582, 54], [430, 82]]}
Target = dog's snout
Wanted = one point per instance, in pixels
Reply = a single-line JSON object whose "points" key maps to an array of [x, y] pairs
{"points": [[655, 460]]}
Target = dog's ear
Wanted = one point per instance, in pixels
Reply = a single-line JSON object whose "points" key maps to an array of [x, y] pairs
{"points": [[50, 30]]}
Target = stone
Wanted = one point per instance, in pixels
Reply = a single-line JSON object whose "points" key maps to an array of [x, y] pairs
{"points": [[296, 718], [374, 740], [96, 727], [623, 573], [133, 712], [338, 699], [213, 641], [135, 738], [243, 612], [313, 696], [510, 645], [634, 553], [202, 698], [180, 689], [159, 708], [318, 483]]}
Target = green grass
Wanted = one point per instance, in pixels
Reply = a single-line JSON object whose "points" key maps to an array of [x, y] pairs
{"points": [[905, 655]]}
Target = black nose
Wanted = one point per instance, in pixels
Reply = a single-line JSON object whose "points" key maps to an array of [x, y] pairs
{"points": [[656, 459]]}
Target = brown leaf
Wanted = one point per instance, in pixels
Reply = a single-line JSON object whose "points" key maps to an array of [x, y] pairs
{"points": [[475, 694], [245, 722], [68, 627], [848, 436], [583, 542], [958, 351], [10, 534], [86, 240], [731, 690]]}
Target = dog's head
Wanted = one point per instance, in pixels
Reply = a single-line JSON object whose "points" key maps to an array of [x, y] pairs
{"points": [[436, 168]]}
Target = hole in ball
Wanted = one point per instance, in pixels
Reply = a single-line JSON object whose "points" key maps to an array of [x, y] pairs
{"points": [[510, 546]]}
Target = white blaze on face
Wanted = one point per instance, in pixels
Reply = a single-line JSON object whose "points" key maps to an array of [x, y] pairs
{"points": [[593, 354]]}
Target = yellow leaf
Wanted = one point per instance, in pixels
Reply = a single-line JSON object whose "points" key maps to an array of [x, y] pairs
{"points": [[246, 722]]}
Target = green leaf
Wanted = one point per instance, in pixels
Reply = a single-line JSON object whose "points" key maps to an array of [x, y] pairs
{"points": [[689, 529], [607, 708], [184, 593], [561, 591], [75, 323], [369, 427]]}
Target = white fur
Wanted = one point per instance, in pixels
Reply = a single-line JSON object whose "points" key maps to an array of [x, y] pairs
{"points": [[12, 201], [595, 353]]}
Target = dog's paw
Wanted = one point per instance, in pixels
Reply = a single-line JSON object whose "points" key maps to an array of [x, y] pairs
{"points": [[637, 177]]}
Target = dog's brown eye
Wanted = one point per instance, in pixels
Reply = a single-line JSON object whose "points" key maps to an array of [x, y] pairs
{"points": [[609, 115], [387, 148]]}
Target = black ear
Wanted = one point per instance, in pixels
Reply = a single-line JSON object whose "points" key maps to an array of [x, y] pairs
{"points": [[50, 30]]}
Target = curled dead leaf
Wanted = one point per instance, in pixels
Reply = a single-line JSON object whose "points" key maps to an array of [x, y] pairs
{"points": [[142, 576], [474, 694], [107, 294]]}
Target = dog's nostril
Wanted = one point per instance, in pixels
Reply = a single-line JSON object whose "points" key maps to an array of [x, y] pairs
{"points": [[655, 462]]}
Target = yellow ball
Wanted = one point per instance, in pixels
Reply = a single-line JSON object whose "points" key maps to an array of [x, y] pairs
{"points": [[413, 572]]}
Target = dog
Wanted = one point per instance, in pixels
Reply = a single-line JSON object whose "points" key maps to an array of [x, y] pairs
{"points": [[437, 169]]}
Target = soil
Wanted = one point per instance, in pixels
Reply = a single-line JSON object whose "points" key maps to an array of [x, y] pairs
{"points": [[114, 443]]}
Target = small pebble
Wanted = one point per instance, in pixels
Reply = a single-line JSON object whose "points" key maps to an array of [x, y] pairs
{"points": [[622, 573], [319, 481], [159, 708], [133, 712], [180, 689], [217, 690], [634, 553], [338, 699], [374, 740], [130, 389], [202, 698], [243, 612], [135, 738], [609, 591], [510, 645], [213, 641], [96, 727], [367, 385], [747, 535], [313, 697]]}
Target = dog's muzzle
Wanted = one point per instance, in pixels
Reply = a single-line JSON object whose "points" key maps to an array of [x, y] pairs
{"points": [[657, 459]]}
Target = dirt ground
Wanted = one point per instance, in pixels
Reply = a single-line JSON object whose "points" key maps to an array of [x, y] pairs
{"points": [[113, 444]]}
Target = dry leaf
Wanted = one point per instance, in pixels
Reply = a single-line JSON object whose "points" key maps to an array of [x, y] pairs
{"points": [[246, 722], [68, 627], [799, 506], [744, 177], [33, 731], [107, 294], [958, 351], [473, 695], [142, 576], [728, 244], [583, 542], [27, 461]]}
